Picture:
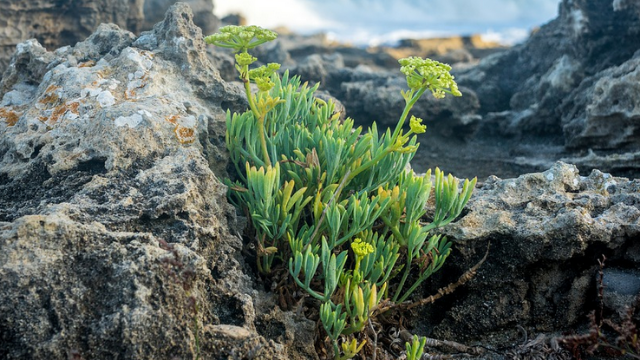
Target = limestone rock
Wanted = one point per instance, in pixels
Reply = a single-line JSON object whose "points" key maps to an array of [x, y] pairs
{"points": [[202, 13], [63, 23], [116, 238], [604, 112], [59, 23], [547, 231], [565, 92]]}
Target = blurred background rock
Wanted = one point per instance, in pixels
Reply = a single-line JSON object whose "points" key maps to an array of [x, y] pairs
{"points": [[57, 23]]}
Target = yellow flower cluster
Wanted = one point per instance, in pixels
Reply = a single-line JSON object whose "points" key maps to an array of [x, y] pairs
{"points": [[360, 248], [262, 76], [416, 125], [429, 74]]}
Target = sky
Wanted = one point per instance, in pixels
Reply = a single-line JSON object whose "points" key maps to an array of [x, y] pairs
{"points": [[374, 22]]}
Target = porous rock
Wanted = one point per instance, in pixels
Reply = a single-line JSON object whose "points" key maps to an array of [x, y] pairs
{"points": [[202, 13], [603, 113], [546, 232], [621, 289], [566, 92], [64, 23], [59, 23], [116, 239]]}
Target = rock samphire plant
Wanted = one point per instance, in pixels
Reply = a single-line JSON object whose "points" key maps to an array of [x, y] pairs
{"points": [[331, 206]]}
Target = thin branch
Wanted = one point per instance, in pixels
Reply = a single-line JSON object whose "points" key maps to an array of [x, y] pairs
{"points": [[468, 275], [375, 340], [451, 287]]}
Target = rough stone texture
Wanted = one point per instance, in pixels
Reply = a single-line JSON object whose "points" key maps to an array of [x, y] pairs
{"points": [[569, 90], [202, 13], [65, 22], [547, 230], [115, 233], [61, 22], [621, 289], [604, 111]]}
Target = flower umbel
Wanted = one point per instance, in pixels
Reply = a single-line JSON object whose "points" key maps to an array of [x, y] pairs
{"points": [[262, 76], [240, 38], [429, 74]]}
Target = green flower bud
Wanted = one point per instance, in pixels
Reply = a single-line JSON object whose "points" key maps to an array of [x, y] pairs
{"points": [[231, 29], [273, 66], [416, 125], [216, 38], [246, 35], [266, 35], [263, 73], [241, 38], [414, 82], [245, 59], [454, 90], [438, 93], [264, 83], [360, 248]]}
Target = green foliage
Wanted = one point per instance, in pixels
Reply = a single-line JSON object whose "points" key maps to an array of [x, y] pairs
{"points": [[415, 348], [332, 204]]}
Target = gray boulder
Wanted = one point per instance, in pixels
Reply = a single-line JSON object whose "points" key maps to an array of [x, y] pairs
{"points": [[59, 23], [603, 112], [567, 93], [202, 14], [116, 239], [547, 231], [65, 22]]}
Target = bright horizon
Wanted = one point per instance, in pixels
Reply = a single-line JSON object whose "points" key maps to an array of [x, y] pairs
{"points": [[384, 22]]}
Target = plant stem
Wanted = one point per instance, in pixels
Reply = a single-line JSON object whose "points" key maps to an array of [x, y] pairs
{"points": [[371, 162], [263, 140], [244, 75], [412, 288], [405, 113], [256, 114], [336, 349], [406, 274]]}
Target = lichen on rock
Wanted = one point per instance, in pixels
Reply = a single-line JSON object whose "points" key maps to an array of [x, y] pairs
{"points": [[115, 233]]}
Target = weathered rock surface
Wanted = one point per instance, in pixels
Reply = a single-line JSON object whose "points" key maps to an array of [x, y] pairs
{"points": [[116, 240], [115, 232], [202, 13], [60, 23], [570, 89], [547, 231]]}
